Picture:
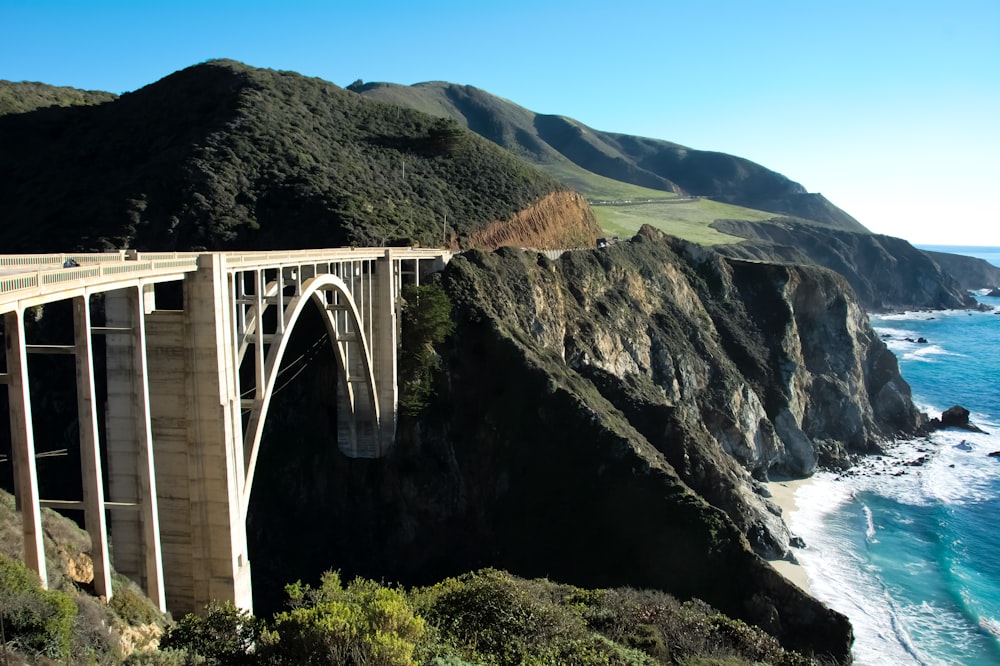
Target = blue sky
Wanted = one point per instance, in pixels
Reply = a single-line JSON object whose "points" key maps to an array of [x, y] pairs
{"points": [[889, 108]]}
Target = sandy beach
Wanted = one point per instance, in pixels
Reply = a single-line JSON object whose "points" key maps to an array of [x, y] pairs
{"points": [[783, 494]]}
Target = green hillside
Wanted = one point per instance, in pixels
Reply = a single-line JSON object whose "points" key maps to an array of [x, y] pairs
{"points": [[222, 155], [686, 218], [27, 96], [605, 165]]}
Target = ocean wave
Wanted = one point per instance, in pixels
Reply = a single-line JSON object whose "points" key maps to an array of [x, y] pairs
{"points": [[842, 573], [870, 532], [852, 522], [911, 315], [923, 352], [841, 577], [905, 543], [950, 467]]}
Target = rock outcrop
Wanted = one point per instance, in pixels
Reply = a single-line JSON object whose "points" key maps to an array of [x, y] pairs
{"points": [[886, 273], [955, 416], [603, 420], [972, 273]]}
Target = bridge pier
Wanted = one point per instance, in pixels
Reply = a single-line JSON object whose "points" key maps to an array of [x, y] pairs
{"points": [[23, 444], [135, 526], [385, 331], [94, 513], [199, 445]]}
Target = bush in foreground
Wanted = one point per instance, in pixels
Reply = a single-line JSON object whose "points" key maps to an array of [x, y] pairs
{"points": [[36, 622], [488, 618]]}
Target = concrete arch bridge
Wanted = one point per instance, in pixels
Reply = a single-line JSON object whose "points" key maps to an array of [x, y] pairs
{"points": [[170, 473]]}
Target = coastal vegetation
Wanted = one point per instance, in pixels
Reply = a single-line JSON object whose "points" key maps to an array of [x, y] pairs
{"points": [[222, 155], [605, 165], [427, 322], [25, 96], [66, 623], [487, 617], [687, 218]]}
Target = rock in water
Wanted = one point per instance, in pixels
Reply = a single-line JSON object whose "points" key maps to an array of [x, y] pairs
{"points": [[958, 417]]}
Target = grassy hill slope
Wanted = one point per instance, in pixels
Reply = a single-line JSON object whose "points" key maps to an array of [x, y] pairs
{"points": [[586, 159], [222, 155]]}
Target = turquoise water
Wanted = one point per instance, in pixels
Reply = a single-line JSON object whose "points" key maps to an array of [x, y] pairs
{"points": [[908, 545]]}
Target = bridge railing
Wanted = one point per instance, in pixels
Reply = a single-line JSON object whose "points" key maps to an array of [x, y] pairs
{"points": [[35, 275], [58, 260], [276, 258], [22, 284]]}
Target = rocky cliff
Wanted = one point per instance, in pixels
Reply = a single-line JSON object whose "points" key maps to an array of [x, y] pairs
{"points": [[604, 419], [971, 273], [886, 273]]}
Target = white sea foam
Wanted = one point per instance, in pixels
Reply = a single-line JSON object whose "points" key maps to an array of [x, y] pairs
{"points": [[840, 576], [886, 630], [898, 543], [870, 532], [926, 352]]}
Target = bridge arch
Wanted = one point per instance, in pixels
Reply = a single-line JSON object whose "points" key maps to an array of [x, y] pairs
{"points": [[172, 377], [353, 352]]}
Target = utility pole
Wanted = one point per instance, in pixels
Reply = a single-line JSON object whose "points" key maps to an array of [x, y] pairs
{"points": [[444, 231]]}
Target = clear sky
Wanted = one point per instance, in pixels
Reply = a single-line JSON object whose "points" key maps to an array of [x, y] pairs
{"points": [[890, 108]]}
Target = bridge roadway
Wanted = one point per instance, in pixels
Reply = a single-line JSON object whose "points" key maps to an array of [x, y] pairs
{"points": [[188, 392]]}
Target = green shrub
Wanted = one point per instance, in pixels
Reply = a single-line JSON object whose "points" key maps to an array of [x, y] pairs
{"points": [[170, 657], [131, 604], [366, 623], [490, 615], [36, 621], [225, 635]]}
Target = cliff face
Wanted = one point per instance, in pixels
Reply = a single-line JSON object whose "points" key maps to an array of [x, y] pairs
{"points": [[886, 273], [601, 420], [971, 273]]}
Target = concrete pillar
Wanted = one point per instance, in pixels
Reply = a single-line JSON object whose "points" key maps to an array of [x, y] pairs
{"points": [[135, 531], [348, 344], [197, 432], [384, 347], [168, 404], [23, 445], [95, 519]]}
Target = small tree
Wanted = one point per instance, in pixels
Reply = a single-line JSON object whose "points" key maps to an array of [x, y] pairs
{"points": [[426, 322]]}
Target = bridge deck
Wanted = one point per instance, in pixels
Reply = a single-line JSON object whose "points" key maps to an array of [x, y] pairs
{"points": [[27, 280]]}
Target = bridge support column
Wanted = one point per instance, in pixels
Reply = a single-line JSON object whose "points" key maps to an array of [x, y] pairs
{"points": [[199, 445], [94, 515], [23, 445], [135, 528], [384, 342]]}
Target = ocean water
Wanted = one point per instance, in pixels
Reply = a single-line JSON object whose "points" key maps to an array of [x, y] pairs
{"points": [[907, 545]]}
